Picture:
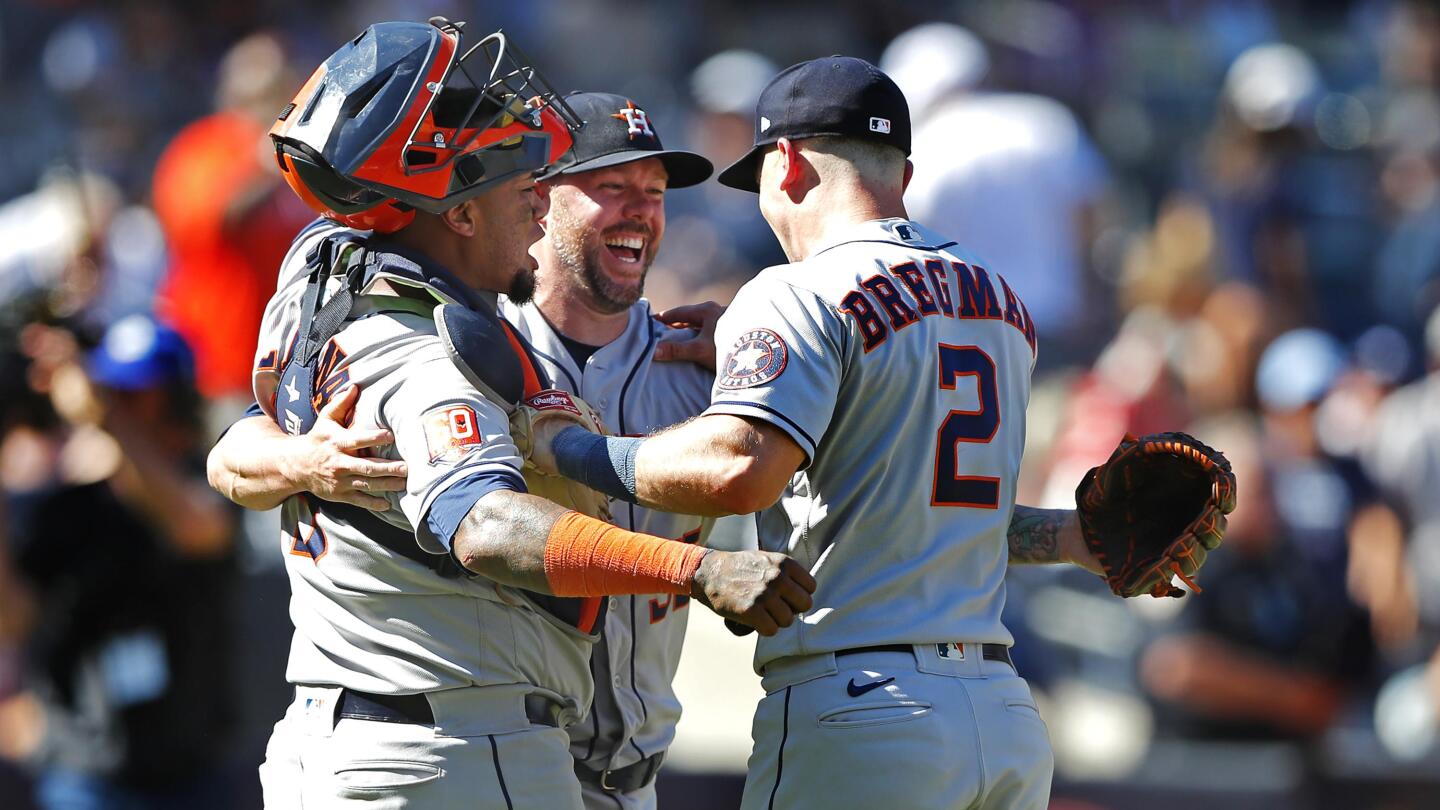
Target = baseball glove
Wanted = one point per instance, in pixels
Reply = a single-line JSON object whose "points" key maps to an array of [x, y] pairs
{"points": [[1154, 510], [555, 404], [496, 361]]}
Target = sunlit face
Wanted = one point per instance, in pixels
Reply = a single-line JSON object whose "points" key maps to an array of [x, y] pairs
{"points": [[604, 229], [511, 213]]}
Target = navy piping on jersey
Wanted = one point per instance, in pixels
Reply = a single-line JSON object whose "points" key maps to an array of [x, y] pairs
{"points": [[635, 642], [450, 507], [772, 411], [885, 242], [574, 386], [495, 755], [624, 429], [780, 755]]}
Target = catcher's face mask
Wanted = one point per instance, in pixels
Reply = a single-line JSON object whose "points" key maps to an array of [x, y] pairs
{"points": [[404, 117]]}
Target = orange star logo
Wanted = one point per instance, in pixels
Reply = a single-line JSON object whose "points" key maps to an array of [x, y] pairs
{"points": [[636, 121]]}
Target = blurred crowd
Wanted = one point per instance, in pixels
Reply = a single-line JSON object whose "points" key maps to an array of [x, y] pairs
{"points": [[1224, 217]]}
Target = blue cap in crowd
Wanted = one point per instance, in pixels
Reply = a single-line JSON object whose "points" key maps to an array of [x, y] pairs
{"points": [[834, 95], [1298, 368], [617, 131], [139, 352]]}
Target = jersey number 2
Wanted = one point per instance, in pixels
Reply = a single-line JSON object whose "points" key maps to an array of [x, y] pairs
{"points": [[975, 427]]}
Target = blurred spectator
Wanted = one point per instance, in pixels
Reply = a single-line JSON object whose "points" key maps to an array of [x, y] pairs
{"points": [[1273, 649], [716, 239], [1011, 176], [1292, 208], [49, 240], [1399, 555], [227, 217], [128, 554]]}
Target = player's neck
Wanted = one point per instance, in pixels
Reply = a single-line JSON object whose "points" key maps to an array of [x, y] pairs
{"points": [[822, 220], [571, 315]]}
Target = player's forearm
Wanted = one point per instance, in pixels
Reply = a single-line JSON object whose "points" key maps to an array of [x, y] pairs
{"points": [[250, 464], [503, 538], [703, 467], [1038, 536], [711, 466], [528, 542]]}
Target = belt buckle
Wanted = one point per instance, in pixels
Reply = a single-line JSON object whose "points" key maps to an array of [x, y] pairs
{"points": [[605, 782]]}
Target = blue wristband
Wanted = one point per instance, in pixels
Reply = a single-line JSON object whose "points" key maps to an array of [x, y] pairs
{"points": [[606, 464]]}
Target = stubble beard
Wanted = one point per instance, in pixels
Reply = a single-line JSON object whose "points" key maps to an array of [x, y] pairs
{"points": [[578, 249]]}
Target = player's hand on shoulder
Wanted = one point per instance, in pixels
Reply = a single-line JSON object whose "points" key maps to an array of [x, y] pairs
{"points": [[699, 349], [760, 589], [327, 461]]}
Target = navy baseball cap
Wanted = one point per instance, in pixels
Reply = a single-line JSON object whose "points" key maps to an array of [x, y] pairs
{"points": [[618, 131], [139, 352], [833, 95]]}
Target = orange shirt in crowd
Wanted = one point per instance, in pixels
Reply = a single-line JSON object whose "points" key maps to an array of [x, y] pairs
{"points": [[228, 220]]}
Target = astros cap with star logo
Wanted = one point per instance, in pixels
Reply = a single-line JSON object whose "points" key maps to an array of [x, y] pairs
{"points": [[616, 131]]}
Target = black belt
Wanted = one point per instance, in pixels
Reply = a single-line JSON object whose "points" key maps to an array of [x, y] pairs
{"points": [[540, 710], [622, 780], [990, 652]]}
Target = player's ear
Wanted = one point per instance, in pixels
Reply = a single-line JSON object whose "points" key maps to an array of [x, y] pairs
{"points": [[909, 173], [463, 219], [790, 164]]}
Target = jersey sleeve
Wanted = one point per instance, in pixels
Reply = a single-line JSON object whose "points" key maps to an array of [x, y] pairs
{"points": [[456, 443], [778, 351]]}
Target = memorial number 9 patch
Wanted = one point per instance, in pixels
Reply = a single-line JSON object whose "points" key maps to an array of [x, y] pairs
{"points": [[450, 432]]}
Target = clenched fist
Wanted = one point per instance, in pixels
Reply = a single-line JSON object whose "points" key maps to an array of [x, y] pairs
{"points": [[760, 589]]}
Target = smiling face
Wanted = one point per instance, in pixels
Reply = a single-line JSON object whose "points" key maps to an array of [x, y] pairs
{"points": [[603, 230]]}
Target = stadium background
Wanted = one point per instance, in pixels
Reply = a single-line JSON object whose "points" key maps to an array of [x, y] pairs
{"points": [[1224, 216]]}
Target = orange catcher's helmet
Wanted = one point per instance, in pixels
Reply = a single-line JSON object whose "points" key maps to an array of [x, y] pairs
{"points": [[403, 117]]}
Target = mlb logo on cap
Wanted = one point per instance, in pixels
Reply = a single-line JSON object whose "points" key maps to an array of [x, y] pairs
{"points": [[881, 125]]}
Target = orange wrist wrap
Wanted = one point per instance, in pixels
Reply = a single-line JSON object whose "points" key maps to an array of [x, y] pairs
{"points": [[588, 557]]}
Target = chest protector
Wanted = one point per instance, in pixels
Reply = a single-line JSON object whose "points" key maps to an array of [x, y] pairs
{"points": [[299, 399]]}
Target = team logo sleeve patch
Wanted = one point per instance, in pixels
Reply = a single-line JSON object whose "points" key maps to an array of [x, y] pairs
{"points": [[450, 432], [759, 356]]}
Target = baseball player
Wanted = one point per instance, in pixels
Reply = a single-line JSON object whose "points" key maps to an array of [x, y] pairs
{"points": [[442, 643], [596, 338], [876, 387]]}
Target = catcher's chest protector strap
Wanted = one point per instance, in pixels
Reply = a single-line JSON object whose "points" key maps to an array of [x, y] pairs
{"points": [[477, 344], [297, 402]]}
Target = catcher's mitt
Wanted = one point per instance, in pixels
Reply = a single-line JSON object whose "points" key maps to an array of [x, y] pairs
{"points": [[497, 362], [1154, 510], [555, 404]]}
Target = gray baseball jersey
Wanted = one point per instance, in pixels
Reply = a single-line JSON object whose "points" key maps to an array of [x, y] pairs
{"points": [[366, 617], [902, 368], [635, 708]]}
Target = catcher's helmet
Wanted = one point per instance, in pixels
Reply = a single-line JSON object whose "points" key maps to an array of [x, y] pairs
{"points": [[401, 118]]}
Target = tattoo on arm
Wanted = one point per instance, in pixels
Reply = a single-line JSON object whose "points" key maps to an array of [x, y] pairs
{"points": [[1034, 535]]}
